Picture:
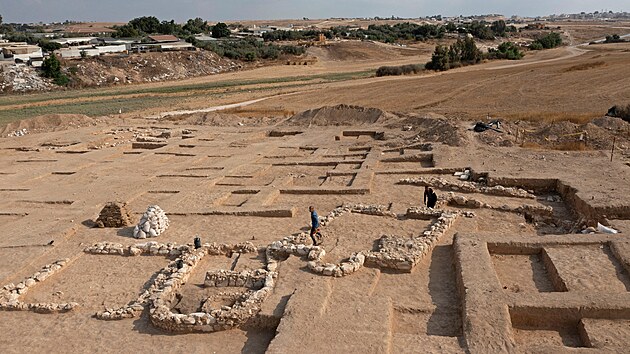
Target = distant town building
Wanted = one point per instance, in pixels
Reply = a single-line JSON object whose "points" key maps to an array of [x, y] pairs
{"points": [[20, 51]]}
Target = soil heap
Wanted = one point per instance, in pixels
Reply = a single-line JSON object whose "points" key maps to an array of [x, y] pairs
{"points": [[340, 115], [114, 214]]}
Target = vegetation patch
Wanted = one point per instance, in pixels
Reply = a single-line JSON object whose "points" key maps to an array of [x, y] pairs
{"points": [[399, 70]]}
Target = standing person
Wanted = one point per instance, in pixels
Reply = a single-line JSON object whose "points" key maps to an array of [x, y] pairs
{"points": [[431, 199], [314, 224], [426, 194]]}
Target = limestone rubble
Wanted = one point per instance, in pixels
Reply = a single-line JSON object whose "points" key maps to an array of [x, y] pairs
{"points": [[152, 223]]}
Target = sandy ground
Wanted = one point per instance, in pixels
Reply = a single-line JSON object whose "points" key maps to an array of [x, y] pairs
{"points": [[54, 183]]}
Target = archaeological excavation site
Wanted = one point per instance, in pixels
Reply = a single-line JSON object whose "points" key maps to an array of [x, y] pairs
{"points": [[191, 233]]}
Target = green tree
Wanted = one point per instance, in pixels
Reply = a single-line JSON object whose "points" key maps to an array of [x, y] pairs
{"points": [[197, 25], [125, 31], [220, 30], [146, 24], [51, 68], [499, 28], [439, 59], [49, 46], [169, 27]]}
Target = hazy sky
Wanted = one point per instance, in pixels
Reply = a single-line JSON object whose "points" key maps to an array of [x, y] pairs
{"points": [[213, 10]]}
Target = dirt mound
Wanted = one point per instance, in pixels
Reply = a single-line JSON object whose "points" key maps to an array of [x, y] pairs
{"points": [[145, 67], [433, 128], [564, 135], [48, 123], [359, 50], [340, 115]]}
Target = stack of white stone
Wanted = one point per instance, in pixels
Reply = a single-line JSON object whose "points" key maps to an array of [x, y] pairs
{"points": [[152, 223]]}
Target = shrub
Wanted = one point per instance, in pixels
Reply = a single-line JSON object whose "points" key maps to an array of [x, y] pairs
{"points": [[399, 70], [250, 49], [548, 41], [51, 68], [615, 38], [506, 50]]}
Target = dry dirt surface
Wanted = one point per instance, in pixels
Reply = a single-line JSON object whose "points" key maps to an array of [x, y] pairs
{"points": [[499, 265], [48, 123], [517, 258], [92, 27]]}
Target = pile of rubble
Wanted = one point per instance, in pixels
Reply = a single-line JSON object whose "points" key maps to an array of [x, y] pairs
{"points": [[114, 214], [467, 187], [403, 254], [152, 223], [423, 213], [19, 132], [10, 294], [351, 265], [21, 78]]}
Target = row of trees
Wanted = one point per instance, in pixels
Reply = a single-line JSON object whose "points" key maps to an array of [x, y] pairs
{"points": [[250, 49], [405, 31], [142, 26], [460, 53]]}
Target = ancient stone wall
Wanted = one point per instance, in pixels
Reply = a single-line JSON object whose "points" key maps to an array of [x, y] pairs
{"points": [[10, 294]]}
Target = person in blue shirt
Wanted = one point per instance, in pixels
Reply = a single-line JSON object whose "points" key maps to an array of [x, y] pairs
{"points": [[314, 224]]}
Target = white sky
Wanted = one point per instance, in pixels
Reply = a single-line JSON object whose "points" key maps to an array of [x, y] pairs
{"points": [[224, 10]]}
